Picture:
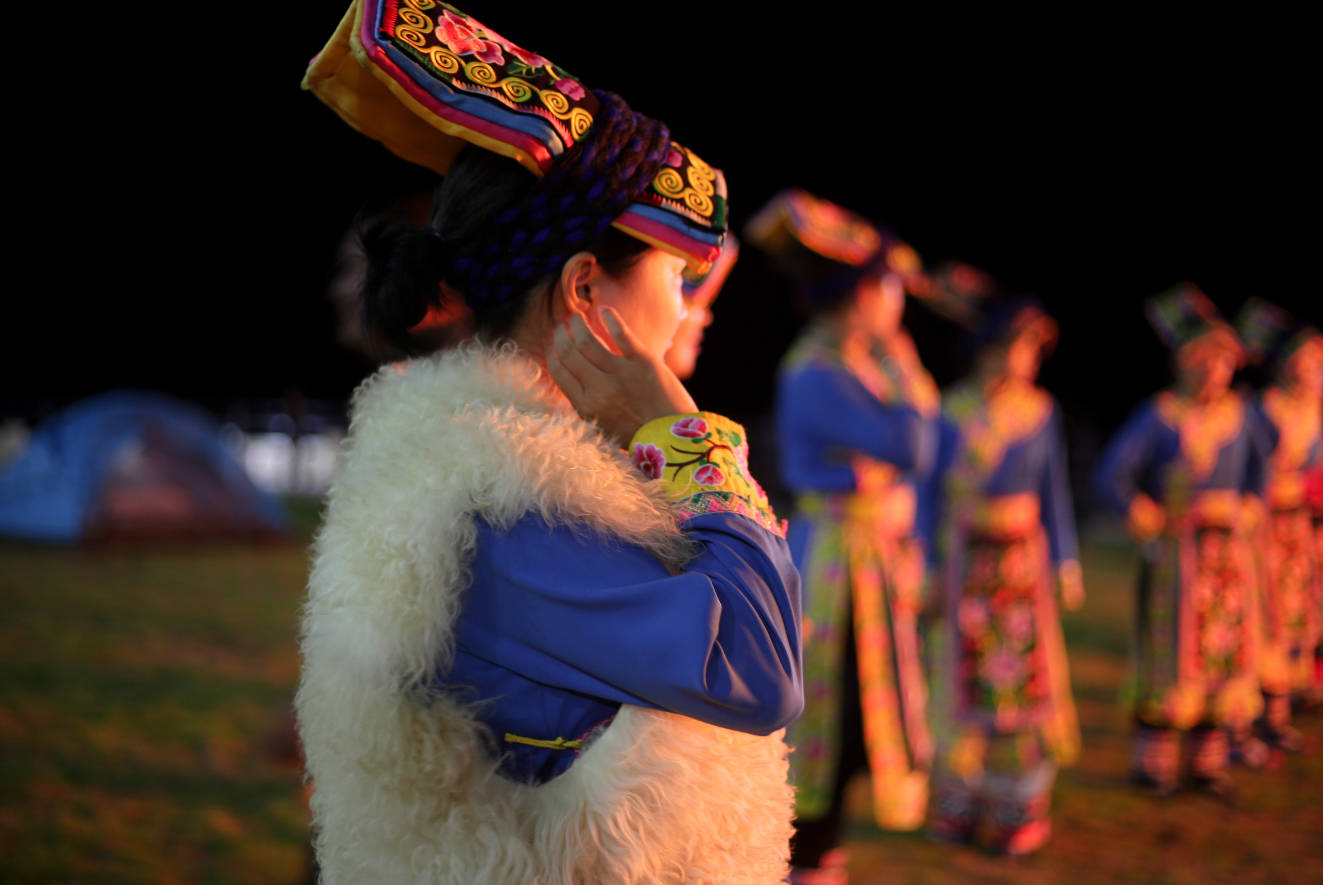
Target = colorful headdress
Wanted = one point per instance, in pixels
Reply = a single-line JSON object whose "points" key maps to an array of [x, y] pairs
{"points": [[425, 79], [827, 249], [1272, 335], [959, 291], [702, 288], [1183, 316], [1006, 319]]}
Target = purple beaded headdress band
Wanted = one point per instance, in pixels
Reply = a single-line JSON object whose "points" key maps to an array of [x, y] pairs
{"points": [[425, 79]]}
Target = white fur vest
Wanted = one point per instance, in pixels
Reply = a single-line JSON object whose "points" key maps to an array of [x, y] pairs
{"points": [[405, 790]]}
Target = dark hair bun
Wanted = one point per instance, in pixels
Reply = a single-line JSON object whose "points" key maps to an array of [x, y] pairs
{"points": [[405, 266]]}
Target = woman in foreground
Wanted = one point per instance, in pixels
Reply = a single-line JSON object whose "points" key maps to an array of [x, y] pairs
{"points": [[552, 631]]}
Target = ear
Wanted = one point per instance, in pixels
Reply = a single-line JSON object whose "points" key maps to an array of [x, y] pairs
{"points": [[574, 287]]}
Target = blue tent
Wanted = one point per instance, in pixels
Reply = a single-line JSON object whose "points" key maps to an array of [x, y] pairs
{"points": [[131, 464]]}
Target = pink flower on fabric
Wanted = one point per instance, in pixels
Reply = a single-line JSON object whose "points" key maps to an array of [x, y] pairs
{"points": [[1219, 640], [461, 37], [649, 459], [709, 475], [1019, 623], [468, 36], [1002, 669], [689, 428], [972, 615], [570, 87]]}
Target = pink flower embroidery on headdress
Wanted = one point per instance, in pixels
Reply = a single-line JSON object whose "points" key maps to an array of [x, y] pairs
{"points": [[649, 459], [709, 475], [465, 35], [570, 87], [689, 428]]}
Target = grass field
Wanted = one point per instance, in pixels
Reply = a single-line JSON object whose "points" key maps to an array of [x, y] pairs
{"points": [[141, 688]]}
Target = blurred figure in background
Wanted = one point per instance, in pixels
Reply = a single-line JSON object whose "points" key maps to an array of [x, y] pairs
{"points": [[1002, 710], [1292, 408], [855, 414], [1180, 471], [700, 290]]}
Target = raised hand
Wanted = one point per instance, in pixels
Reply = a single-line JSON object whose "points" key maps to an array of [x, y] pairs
{"points": [[616, 383]]}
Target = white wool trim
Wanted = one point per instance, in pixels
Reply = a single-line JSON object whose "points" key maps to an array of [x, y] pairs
{"points": [[406, 784]]}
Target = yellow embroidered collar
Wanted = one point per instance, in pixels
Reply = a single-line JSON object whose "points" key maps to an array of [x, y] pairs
{"points": [[1204, 428]]}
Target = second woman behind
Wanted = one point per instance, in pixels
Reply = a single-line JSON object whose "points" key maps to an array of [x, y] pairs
{"points": [[855, 417]]}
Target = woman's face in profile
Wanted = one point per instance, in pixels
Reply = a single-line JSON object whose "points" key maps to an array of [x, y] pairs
{"points": [[1023, 357], [1206, 368], [1305, 367], [879, 305], [648, 298]]}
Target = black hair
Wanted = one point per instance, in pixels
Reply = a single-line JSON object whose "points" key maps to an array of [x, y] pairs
{"points": [[406, 264]]}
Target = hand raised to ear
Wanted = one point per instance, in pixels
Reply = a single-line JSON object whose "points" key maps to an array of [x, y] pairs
{"points": [[615, 383]]}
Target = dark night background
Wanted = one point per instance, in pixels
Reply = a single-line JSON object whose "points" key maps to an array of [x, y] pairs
{"points": [[1091, 161]]}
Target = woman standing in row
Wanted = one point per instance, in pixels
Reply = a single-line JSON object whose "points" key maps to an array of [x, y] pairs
{"points": [[1005, 550], [1292, 596], [1180, 471], [855, 415], [552, 631]]}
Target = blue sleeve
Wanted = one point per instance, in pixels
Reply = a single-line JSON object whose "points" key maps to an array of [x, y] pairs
{"points": [[1127, 457], [1054, 491], [1263, 436], [931, 508], [829, 407], [719, 642]]}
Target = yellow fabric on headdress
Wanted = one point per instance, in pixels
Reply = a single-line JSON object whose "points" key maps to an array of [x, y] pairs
{"points": [[342, 77]]}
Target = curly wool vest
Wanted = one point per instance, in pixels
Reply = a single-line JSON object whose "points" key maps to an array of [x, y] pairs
{"points": [[406, 789]]}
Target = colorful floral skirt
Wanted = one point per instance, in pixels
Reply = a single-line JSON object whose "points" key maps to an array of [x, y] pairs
{"points": [[853, 568], [1290, 603], [1001, 699], [1196, 660]]}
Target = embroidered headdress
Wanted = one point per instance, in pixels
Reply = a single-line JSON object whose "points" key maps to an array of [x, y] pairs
{"points": [[958, 292], [1272, 335], [826, 250], [425, 79], [1006, 319], [1187, 321]]}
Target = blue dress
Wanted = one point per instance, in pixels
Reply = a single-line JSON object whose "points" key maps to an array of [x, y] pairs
{"points": [[1002, 708], [852, 453], [1196, 627]]}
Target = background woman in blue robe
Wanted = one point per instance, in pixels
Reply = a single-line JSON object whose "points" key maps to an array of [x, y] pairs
{"points": [[1006, 547], [1180, 471], [855, 416], [1291, 407]]}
